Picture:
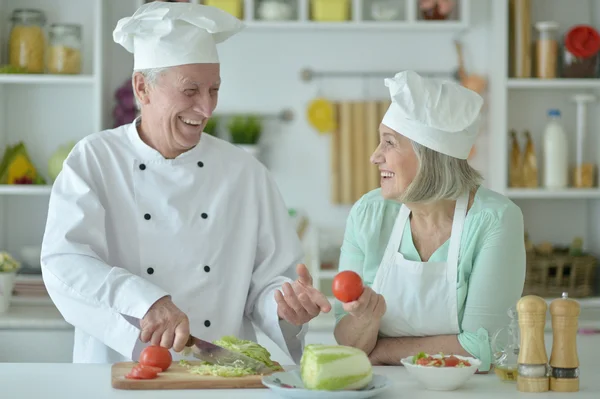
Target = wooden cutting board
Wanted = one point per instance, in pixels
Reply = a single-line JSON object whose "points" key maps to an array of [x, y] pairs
{"points": [[179, 377]]}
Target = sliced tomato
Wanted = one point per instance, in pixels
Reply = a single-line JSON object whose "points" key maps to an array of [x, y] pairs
{"points": [[156, 356], [141, 372], [424, 361], [151, 368], [451, 361]]}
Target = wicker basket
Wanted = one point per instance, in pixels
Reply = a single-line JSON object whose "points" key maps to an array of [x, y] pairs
{"points": [[551, 275]]}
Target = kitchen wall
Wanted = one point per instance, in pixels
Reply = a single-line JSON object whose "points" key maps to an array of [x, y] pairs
{"points": [[261, 73]]}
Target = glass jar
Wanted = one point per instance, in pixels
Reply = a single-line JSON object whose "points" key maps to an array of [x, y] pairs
{"points": [[584, 172], [27, 40], [436, 10], [64, 50], [546, 50], [580, 56], [275, 10]]}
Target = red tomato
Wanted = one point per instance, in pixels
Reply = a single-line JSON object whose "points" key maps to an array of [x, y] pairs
{"points": [[451, 361], [156, 356], [141, 372], [347, 286]]}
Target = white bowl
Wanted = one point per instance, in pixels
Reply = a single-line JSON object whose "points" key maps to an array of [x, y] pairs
{"points": [[441, 378], [30, 254]]}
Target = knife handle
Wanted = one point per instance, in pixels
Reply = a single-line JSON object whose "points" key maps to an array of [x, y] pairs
{"points": [[190, 342]]}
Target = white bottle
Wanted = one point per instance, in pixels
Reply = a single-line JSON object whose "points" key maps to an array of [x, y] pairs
{"points": [[555, 152]]}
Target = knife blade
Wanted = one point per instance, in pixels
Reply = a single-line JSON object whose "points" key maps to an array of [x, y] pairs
{"points": [[218, 355]]}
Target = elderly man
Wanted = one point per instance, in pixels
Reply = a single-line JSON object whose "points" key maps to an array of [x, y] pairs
{"points": [[156, 231]]}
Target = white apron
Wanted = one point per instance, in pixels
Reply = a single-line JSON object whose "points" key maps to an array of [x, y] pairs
{"points": [[420, 296]]}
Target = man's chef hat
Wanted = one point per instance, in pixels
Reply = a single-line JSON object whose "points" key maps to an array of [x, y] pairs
{"points": [[438, 114], [161, 34]]}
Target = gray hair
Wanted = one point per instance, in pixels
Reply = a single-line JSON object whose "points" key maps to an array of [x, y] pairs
{"points": [[439, 177], [151, 76]]}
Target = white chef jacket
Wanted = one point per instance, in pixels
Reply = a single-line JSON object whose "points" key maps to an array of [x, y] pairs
{"points": [[126, 227]]}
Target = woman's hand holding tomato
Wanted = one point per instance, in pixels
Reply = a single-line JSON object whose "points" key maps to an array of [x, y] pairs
{"points": [[358, 300], [370, 305]]}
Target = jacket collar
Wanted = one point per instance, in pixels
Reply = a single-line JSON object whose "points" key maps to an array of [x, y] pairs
{"points": [[149, 154]]}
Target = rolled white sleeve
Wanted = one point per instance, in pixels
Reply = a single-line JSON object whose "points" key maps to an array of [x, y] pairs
{"points": [[76, 274], [278, 252]]}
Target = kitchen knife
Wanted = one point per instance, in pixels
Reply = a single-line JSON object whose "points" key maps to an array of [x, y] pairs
{"points": [[215, 354]]}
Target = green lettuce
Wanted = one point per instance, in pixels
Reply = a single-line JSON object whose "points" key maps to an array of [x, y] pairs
{"points": [[248, 348], [205, 368]]}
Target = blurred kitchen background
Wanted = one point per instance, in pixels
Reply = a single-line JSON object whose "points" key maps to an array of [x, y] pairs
{"points": [[303, 91]]}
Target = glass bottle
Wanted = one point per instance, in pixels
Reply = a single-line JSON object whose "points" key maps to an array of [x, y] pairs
{"points": [[64, 51], [27, 40], [506, 344], [556, 152]]}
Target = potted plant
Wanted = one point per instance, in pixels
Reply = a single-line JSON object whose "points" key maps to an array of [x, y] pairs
{"points": [[8, 275], [245, 132]]}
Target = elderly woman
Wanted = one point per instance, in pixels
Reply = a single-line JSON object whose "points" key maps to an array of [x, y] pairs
{"points": [[442, 258]]}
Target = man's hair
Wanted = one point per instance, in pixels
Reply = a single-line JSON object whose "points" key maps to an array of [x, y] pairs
{"points": [[439, 177], [150, 75]]}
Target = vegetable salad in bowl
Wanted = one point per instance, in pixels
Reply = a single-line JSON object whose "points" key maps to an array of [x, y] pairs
{"points": [[422, 359], [441, 372]]}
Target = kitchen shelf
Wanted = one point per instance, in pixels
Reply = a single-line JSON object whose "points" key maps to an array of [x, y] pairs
{"points": [[521, 105], [46, 111], [539, 193], [515, 83], [358, 25], [47, 79], [358, 19], [25, 189]]}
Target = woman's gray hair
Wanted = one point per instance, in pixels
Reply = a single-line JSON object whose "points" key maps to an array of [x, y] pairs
{"points": [[439, 177], [151, 76]]}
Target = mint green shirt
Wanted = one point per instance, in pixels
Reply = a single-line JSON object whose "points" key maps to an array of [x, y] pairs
{"points": [[491, 268]]}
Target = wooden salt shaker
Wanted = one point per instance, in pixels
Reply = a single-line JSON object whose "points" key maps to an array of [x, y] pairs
{"points": [[532, 367], [564, 360]]}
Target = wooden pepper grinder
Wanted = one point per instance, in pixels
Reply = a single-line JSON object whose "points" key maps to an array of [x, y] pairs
{"points": [[564, 361], [532, 367]]}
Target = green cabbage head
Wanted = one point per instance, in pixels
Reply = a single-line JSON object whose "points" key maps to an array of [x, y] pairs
{"points": [[55, 162]]}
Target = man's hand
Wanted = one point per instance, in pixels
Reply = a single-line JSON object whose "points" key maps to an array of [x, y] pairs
{"points": [[370, 305], [165, 325], [300, 301]]}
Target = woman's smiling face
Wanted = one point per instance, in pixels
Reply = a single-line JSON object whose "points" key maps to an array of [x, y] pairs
{"points": [[397, 162]]}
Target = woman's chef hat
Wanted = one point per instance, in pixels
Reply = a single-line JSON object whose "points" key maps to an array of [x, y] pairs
{"points": [[161, 34], [438, 114]]}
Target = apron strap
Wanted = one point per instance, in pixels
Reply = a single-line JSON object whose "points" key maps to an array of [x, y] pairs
{"points": [[393, 245], [460, 214]]}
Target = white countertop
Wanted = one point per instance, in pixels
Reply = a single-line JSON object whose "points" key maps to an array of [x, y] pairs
{"points": [[76, 381]]}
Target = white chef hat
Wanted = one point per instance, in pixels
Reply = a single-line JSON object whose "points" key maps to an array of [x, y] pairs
{"points": [[438, 114], [161, 34]]}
